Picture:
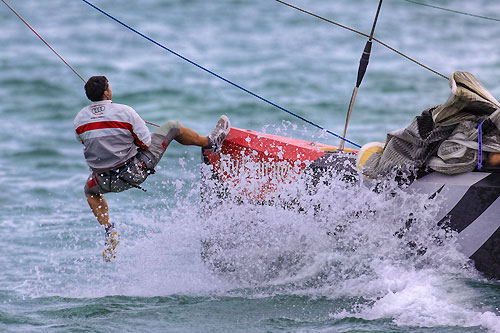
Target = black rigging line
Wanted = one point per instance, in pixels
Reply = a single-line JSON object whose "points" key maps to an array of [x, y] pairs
{"points": [[363, 64], [453, 10], [363, 34]]}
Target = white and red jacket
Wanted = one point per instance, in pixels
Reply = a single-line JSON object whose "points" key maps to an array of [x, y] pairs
{"points": [[110, 134]]}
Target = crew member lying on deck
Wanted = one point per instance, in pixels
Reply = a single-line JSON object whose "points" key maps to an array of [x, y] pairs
{"points": [[493, 160]]}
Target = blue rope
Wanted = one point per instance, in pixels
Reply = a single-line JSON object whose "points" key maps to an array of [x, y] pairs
{"points": [[220, 77], [480, 145]]}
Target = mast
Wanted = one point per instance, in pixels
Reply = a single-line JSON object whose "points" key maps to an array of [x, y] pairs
{"points": [[363, 64]]}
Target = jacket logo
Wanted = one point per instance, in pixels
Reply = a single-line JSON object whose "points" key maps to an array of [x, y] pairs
{"points": [[97, 109]]}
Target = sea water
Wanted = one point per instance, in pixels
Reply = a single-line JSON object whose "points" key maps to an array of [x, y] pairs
{"points": [[335, 265]]}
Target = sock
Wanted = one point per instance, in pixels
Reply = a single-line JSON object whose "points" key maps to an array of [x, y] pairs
{"points": [[211, 144], [108, 228]]}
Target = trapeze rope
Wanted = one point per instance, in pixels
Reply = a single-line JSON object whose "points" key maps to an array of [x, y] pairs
{"points": [[43, 40], [55, 52]]}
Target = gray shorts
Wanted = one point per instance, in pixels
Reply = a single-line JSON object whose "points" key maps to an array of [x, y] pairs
{"points": [[135, 171]]}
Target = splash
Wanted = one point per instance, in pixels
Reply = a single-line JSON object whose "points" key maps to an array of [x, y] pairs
{"points": [[329, 231], [377, 247]]}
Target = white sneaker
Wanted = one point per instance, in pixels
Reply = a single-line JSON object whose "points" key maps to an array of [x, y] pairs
{"points": [[219, 133], [112, 240]]}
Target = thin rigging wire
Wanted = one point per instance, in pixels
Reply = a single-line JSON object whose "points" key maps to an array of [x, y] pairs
{"points": [[57, 54], [362, 34], [453, 10], [43, 40]]}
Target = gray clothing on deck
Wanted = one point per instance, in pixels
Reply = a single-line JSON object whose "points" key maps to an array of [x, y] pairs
{"points": [[444, 138]]}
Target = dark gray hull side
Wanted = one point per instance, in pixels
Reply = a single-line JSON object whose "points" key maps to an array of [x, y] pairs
{"points": [[470, 206]]}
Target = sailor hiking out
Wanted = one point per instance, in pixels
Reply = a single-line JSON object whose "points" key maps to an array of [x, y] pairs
{"points": [[120, 151]]}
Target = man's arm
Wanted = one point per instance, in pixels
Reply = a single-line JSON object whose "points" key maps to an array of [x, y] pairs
{"points": [[140, 132]]}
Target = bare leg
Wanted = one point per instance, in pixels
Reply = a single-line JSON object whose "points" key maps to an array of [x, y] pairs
{"points": [[189, 137], [99, 207]]}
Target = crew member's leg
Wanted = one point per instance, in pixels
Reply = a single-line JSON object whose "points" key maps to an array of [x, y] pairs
{"points": [[160, 141], [97, 203], [99, 207], [213, 141], [173, 130], [189, 137]]}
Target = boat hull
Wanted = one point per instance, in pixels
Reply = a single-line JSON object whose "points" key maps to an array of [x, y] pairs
{"points": [[255, 164]]}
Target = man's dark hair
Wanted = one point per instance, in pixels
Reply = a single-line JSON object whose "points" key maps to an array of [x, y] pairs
{"points": [[95, 88]]}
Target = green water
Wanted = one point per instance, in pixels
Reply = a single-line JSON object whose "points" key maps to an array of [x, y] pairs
{"points": [[52, 278]]}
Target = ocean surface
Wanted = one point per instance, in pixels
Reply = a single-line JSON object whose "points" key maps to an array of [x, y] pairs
{"points": [[289, 275]]}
